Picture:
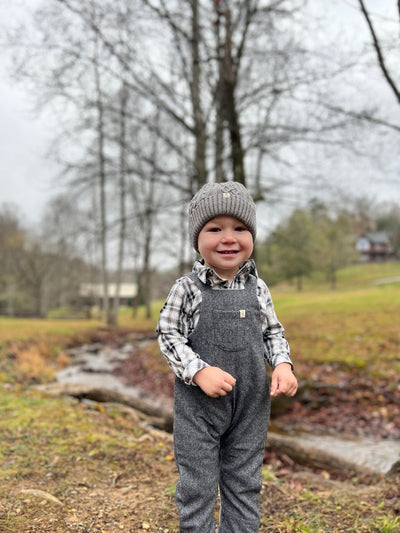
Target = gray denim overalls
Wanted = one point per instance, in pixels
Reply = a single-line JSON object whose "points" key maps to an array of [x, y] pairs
{"points": [[219, 442]]}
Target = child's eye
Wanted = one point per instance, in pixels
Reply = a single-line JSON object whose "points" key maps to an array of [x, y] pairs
{"points": [[214, 230], [240, 228]]}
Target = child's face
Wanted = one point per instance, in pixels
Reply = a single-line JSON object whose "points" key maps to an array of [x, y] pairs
{"points": [[225, 243]]}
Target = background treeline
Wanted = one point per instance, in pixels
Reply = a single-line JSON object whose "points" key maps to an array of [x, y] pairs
{"points": [[151, 99], [320, 241], [41, 275]]}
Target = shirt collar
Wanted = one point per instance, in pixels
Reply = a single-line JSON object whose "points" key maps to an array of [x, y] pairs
{"points": [[208, 276]]}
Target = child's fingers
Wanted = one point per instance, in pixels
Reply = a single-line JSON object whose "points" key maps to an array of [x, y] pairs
{"points": [[227, 386], [229, 379], [214, 381], [283, 386], [274, 385]]}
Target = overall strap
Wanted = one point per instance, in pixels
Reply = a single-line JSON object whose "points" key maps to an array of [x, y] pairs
{"points": [[195, 278]]}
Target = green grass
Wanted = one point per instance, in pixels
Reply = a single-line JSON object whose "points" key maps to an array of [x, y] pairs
{"points": [[53, 329], [368, 273], [355, 325], [346, 302], [25, 329], [349, 278]]}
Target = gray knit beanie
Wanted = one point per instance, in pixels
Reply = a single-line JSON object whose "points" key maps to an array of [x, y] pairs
{"points": [[214, 199]]}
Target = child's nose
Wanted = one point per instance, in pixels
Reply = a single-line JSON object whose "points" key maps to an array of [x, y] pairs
{"points": [[228, 237]]}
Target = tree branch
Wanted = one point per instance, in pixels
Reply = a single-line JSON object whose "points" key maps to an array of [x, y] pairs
{"points": [[363, 116], [378, 49]]}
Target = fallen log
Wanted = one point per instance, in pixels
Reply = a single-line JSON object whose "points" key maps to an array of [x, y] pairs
{"points": [[313, 457], [162, 418]]}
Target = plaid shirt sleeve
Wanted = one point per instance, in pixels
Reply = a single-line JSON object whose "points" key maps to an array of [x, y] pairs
{"points": [[175, 324], [276, 346]]}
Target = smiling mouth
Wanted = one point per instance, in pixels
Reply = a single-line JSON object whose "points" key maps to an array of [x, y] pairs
{"points": [[228, 252]]}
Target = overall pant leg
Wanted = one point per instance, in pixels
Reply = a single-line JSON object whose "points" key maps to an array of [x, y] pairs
{"points": [[242, 453], [197, 455]]}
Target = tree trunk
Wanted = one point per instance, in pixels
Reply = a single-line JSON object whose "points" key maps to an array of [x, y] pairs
{"points": [[229, 104], [183, 237], [102, 183], [219, 120], [146, 271], [122, 200], [200, 127], [148, 233]]}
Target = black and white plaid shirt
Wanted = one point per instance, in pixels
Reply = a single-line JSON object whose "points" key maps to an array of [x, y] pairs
{"points": [[181, 311]]}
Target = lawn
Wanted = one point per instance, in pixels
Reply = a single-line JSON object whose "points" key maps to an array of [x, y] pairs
{"points": [[358, 328]]}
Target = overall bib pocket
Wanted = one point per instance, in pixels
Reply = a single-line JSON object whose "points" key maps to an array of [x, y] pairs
{"points": [[229, 328]]}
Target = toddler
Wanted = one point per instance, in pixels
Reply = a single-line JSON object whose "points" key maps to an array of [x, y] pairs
{"points": [[217, 329]]}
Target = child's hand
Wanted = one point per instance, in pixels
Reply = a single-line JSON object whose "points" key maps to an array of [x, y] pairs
{"points": [[214, 381], [283, 380]]}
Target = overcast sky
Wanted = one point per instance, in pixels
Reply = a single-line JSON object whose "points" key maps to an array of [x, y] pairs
{"points": [[27, 176], [25, 173]]}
